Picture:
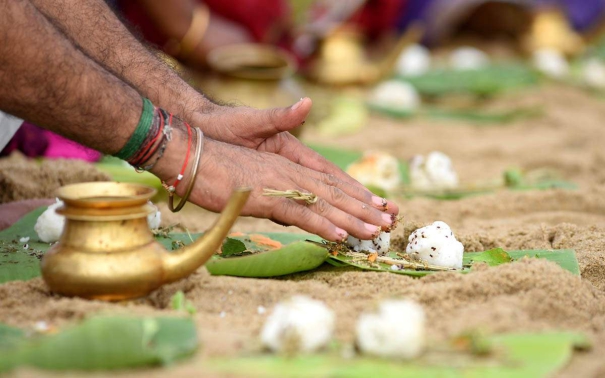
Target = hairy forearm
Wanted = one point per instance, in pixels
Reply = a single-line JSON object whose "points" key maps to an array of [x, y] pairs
{"points": [[46, 80], [92, 26]]}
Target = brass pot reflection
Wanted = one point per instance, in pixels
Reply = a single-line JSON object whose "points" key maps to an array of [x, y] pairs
{"points": [[260, 76], [107, 250]]}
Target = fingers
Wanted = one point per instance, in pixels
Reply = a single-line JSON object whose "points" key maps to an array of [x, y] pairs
{"points": [[342, 204], [360, 193], [273, 121], [350, 223], [286, 211], [330, 174]]}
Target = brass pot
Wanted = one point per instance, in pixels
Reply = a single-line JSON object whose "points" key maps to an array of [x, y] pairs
{"points": [[260, 76], [107, 250]]}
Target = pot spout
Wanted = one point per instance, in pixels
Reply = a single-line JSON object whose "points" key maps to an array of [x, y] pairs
{"points": [[179, 264]]}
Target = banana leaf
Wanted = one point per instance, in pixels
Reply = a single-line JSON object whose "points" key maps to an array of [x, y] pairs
{"points": [[484, 82], [10, 337], [105, 343], [475, 115], [293, 258], [512, 356], [295, 255], [17, 262], [565, 258]]}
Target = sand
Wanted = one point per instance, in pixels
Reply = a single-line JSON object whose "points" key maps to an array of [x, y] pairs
{"points": [[529, 295], [22, 179]]}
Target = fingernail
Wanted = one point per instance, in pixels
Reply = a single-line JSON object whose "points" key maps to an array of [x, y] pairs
{"points": [[387, 218], [295, 106], [379, 201], [342, 233], [373, 229]]}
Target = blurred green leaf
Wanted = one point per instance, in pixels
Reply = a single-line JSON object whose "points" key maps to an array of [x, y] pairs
{"points": [[476, 115], [179, 302], [10, 337], [121, 171], [106, 343], [492, 257], [487, 81], [528, 355], [17, 263]]}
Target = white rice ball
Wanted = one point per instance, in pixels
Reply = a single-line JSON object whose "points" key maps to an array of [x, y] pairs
{"points": [[395, 94], [551, 63], [154, 219], [397, 330], [436, 172], [300, 323], [436, 245], [49, 225], [594, 73], [468, 58], [381, 244], [415, 60]]}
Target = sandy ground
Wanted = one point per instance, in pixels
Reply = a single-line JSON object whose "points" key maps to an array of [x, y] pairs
{"points": [[527, 295]]}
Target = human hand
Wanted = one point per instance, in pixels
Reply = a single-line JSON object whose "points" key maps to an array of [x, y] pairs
{"points": [[342, 209], [266, 130]]}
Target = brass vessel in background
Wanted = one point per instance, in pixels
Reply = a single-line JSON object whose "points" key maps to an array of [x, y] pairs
{"points": [[107, 250], [341, 58], [256, 75]]}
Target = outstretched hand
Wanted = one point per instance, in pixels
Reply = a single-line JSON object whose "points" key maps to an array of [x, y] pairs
{"points": [[342, 209]]}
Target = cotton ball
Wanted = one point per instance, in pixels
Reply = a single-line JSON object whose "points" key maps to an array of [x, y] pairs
{"points": [[468, 58], [154, 219], [395, 94], [376, 169], [380, 244], [434, 172], [551, 63], [413, 61], [436, 245], [594, 73], [397, 330], [49, 225], [298, 324]]}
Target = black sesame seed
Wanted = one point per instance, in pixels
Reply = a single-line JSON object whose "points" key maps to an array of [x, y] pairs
{"points": [[433, 248]]}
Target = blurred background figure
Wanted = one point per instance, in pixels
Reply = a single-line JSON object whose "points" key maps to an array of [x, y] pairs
{"points": [[331, 42]]}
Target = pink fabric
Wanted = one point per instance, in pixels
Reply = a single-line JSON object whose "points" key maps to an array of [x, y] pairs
{"points": [[34, 141], [60, 147]]}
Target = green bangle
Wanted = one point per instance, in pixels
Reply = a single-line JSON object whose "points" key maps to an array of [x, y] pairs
{"points": [[140, 133]]}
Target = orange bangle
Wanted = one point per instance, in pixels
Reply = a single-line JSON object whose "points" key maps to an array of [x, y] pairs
{"points": [[194, 35]]}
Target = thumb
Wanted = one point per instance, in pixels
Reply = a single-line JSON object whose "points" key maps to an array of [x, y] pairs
{"points": [[273, 121]]}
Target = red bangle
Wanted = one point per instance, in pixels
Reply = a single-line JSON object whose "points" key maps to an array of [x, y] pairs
{"points": [[172, 188]]}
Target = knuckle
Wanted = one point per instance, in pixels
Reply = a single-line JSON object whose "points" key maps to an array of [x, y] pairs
{"points": [[337, 195], [330, 179], [321, 207]]}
